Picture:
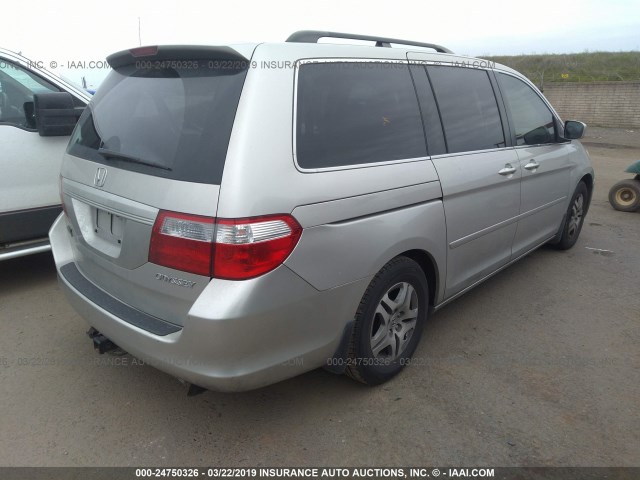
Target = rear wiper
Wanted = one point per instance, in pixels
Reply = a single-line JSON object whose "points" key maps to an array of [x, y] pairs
{"points": [[106, 153]]}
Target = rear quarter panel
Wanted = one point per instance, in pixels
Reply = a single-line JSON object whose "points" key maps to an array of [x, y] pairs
{"points": [[355, 219]]}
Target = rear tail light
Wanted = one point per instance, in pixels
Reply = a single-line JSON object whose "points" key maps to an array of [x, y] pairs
{"points": [[249, 247], [234, 249]]}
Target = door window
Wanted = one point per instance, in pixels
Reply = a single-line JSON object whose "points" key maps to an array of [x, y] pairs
{"points": [[18, 85], [530, 116]]}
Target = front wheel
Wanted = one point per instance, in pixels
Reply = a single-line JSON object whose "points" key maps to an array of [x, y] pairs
{"points": [[625, 195], [389, 322], [574, 218]]}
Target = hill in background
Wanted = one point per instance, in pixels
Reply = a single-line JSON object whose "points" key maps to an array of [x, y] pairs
{"points": [[575, 67]]}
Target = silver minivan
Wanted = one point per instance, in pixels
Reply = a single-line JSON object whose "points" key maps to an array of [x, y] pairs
{"points": [[237, 215]]}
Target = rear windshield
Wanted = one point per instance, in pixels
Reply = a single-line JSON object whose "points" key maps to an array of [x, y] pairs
{"points": [[170, 119]]}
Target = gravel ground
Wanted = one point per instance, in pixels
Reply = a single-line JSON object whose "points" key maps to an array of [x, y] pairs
{"points": [[539, 366]]}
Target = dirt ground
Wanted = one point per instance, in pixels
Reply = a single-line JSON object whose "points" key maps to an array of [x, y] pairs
{"points": [[539, 366]]}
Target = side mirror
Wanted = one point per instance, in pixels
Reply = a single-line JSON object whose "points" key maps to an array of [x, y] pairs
{"points": [[55, 114], [574, 130]]}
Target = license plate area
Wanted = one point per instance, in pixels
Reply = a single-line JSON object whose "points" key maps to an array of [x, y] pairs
{"points": [[100, 229], [108, 226]]}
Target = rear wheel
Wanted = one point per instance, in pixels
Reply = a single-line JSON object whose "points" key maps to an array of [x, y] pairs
{"points": [[389, 322], [625, 195]]}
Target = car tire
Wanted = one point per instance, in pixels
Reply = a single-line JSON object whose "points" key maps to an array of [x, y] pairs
{"points": [[575, 218], [625, 195], [389, 322]]}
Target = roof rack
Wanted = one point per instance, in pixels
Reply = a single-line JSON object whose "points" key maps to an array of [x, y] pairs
{"points": [[312, 36]]}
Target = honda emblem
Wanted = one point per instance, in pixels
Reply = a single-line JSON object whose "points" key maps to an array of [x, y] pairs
{"points": [[101, 177]]}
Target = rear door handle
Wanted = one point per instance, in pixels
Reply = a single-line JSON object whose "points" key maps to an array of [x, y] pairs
{"points": [[532, 165], [507, 170]]}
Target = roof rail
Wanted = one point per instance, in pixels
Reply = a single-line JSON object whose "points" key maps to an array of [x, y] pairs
{"points": [[312, 36]]}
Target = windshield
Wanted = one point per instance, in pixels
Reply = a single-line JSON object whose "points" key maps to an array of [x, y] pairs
{"points": [[30, 81], [172, 120]]}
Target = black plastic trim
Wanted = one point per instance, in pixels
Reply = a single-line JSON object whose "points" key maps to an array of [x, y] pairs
{"points": [[29, 224], [338, 363], [434, 131], [558, 236], [115, 307], [312, 36], [507, 127]]}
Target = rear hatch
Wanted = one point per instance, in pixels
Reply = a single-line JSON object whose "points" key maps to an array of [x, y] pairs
{"points": [[154, 138]]}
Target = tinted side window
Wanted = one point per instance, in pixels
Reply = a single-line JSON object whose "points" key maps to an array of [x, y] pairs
{"points": [[531, 118], [17, 86], [356, 113], [468, 108]]}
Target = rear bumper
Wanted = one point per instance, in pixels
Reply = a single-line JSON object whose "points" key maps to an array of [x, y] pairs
{"points": [[238, 335]]}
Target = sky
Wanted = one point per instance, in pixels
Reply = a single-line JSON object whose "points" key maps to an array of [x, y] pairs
{"points": [[68, 32]]}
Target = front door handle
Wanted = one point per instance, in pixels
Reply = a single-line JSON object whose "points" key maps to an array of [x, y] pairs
{"points": [[507, 170], [532, 165]]}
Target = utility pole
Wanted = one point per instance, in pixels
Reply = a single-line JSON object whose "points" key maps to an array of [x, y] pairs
{"points": [[139, 34]]}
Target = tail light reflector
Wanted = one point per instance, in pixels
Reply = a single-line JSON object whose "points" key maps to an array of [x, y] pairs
{"points": [[183, 242], [61, 193]]}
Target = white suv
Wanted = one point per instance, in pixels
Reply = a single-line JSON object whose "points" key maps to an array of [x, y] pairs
{"points": [[38, 111]]}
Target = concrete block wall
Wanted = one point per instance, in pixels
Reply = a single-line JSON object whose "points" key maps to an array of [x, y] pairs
{"points": [[599, 104]]}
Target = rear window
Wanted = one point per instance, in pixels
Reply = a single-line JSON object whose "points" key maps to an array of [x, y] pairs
{"points": [[172, 120], [352, 113]]}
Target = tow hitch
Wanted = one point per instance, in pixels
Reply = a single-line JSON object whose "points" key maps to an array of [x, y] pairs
{"points": [[101, 343]]}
